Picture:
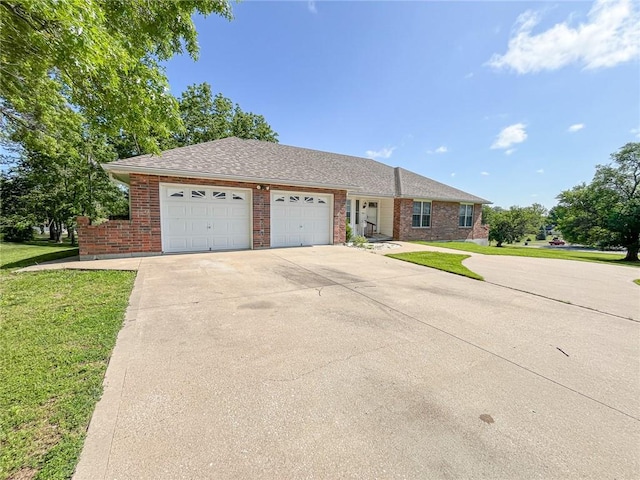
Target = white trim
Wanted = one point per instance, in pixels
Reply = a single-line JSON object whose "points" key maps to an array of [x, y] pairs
{"points": [[216, 176], [165, 185], [430, 202]]}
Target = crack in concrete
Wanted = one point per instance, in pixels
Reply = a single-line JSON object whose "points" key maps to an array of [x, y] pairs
{"points": [[565, 302], [331, 362]]}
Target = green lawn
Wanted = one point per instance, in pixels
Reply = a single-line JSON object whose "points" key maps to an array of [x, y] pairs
{"points": [[448, 262], [18, 255], [57, 331], [510, 250]]}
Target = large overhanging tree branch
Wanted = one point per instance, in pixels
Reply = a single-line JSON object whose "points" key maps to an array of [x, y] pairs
{"points": [[99, 57]]}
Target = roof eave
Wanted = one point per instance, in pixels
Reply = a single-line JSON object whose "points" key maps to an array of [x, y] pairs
{"points": [[450, 199], [111, 168]]}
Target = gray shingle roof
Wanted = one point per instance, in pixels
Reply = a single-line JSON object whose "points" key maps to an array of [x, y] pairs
{"points": [[254, 160]]}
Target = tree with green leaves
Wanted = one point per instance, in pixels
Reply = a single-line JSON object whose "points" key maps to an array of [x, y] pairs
{"points": [[508, 226], [207, 117], [101, 58], [52, 184], [606, 212]]}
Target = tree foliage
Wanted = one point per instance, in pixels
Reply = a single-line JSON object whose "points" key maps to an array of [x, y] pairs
{"points": [[207, 117], [508, 226], [53, 185], [101, 58], [606, 212]]}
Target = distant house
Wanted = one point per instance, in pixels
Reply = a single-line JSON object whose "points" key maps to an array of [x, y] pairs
{"points": [[243, 194]]}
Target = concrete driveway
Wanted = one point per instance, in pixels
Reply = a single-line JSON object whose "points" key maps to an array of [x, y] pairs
{"points": [[331, 362]]}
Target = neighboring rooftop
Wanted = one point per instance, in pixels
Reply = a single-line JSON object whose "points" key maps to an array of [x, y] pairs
{"points": [[258, 161]]}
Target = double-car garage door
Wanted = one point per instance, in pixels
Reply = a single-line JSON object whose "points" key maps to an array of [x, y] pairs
{"points": [[199, 218]]}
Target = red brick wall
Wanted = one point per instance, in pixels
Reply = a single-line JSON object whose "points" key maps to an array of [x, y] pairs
{"points": [[142, 233], [444, 222]]}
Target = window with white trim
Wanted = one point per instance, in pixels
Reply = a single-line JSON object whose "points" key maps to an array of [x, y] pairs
{"points": [[421, 214], [465, 218]]}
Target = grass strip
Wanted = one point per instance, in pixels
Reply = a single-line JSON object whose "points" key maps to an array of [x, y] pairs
{"points": [[57, 332], [515, 251], [448, 262]]}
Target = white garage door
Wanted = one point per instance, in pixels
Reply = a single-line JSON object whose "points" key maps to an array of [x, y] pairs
{"points": [[300, 219], [204, 218]]}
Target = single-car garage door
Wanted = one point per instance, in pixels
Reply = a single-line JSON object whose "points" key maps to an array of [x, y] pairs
{"points": [[196, 218], [300, 219]]}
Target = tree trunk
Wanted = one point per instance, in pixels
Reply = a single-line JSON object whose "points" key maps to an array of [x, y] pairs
{"points": [[632, 253], [58, 232], [499, 243], [72, 235], [52, 231]]}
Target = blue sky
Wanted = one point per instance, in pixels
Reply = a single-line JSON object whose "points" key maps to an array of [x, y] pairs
{"points": [[511, 101]]}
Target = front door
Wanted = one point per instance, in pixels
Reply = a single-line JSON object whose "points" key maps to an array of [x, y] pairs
{"points": [[372, 215]]}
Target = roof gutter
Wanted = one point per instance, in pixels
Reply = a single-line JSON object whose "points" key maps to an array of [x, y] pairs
{"points": [[454, 200], [236, 178]]}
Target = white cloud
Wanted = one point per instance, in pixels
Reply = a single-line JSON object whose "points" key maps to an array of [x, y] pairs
{"points": [[510, 151], [635, 131], [510, 136], [382, 153], [469, 75], [484, 174], [608, 38], [453, 174], [574, 128], [440, 149], [311, 5], [540, 171]]}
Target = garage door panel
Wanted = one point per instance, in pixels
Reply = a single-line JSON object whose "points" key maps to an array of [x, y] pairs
{"points": [[238, 227], [199, 242], [198, 227], [199, 218], [300, 219], [239, 212], [178, 225], [198, 211], [177, 211]]}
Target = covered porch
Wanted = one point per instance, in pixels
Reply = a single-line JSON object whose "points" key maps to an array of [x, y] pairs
{"points": [[370, 217]]}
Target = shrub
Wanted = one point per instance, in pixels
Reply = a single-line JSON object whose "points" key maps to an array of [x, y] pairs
{"points": [[359, 240], [349, 233], [16, 229]]}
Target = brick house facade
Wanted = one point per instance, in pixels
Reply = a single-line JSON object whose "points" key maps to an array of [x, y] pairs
{"points": [[288, 196], [444, 222], [141, 234]]}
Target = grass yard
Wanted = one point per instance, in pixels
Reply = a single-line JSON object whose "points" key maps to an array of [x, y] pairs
{"points": [[448, 262], [57, 331], [509, 250], [18, 255]]}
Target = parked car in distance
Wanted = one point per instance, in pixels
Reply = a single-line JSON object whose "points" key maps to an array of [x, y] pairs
{"points": [[556, 241]]}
